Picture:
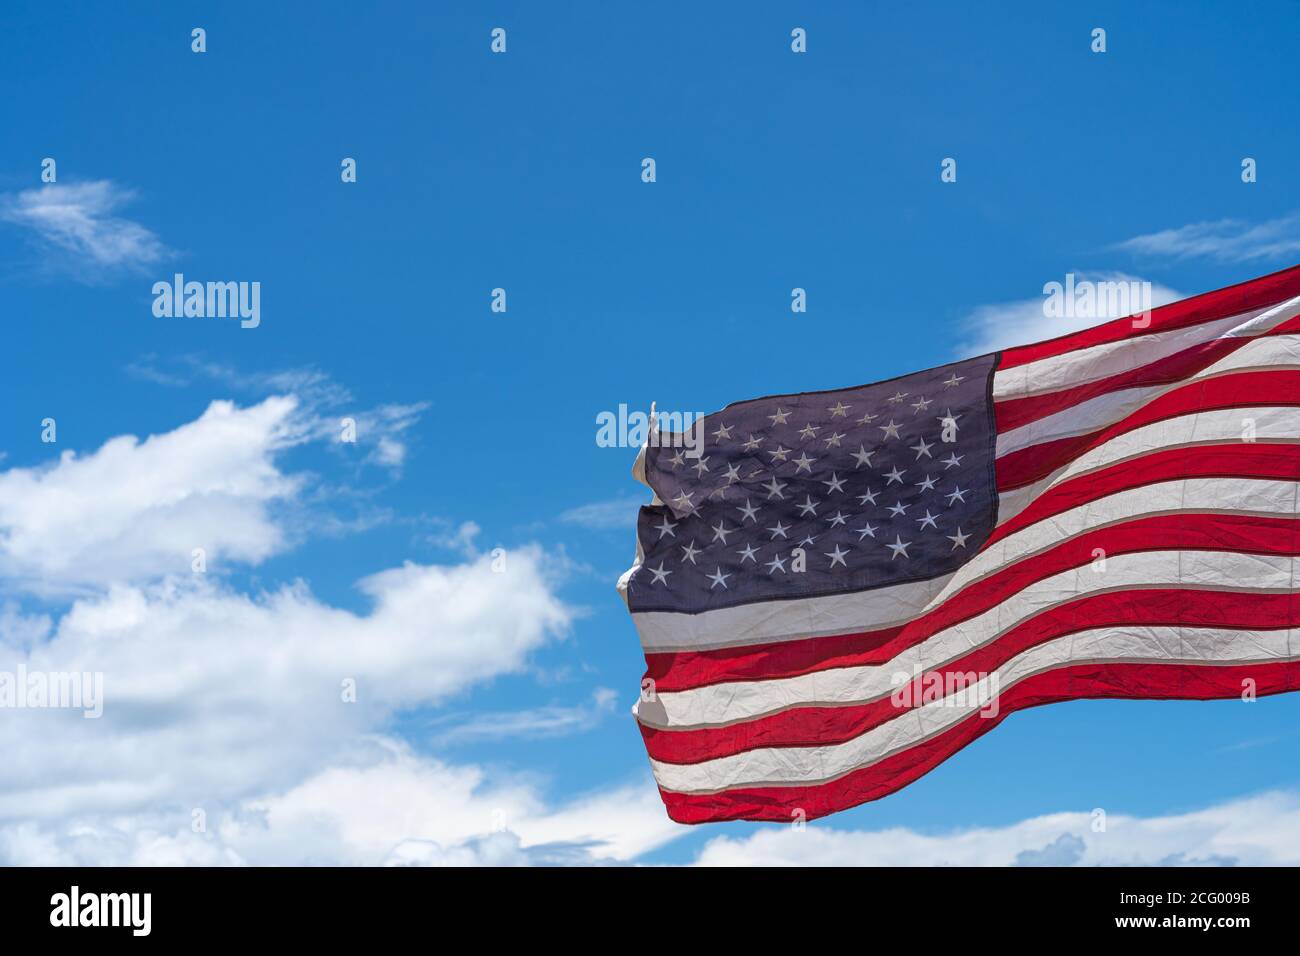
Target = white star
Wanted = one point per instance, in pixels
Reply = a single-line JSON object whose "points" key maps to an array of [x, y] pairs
{"points": [[724, 431], [752, 443], [958, 494], [666, 528], [838, 409], [890, 430], [958, 540], [954, 379], [717, 577], [747, 553], [836, 519], [804, 464], [897, 397], [894, 476], [927, 520], [720, 530], [660, 575], [869, 530], [949, 417], [898, 547], [702, 465], [898, 508], [835, 484], [927, 485], [677, 459], [689, 552], [733, 473], [951, 460], [774, 489], [921, 405], [836, 556], [868, 498], [780, 453], [683, 502], [807, 542], [809, 507], [808, 431], [776, 564], [921, 449], [749, 511], [779, 418], [834, 440], [779, 530], [863, 456], [867, 419]]}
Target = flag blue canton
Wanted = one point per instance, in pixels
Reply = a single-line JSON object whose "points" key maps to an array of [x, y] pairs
{"points": [[821, 493]]}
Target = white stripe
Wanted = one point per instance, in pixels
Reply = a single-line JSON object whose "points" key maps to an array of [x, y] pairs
{"points": [[745, 700], [797, 619], [1103, 410], [809, 765], [1214, 426], [1102, 361]]}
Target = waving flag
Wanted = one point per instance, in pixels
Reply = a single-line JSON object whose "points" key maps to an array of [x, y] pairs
{"points": [[836, 591]]}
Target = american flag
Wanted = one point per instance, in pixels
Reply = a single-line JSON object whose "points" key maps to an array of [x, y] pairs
{"points": [[836, 591]]}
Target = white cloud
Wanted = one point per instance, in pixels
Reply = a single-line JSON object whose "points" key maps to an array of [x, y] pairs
{"points": [[77, 221], [1261, 830], [216, 693], [234, 703], [389, 807], [409, 810], [133, 509], [1005, 324], [215, 700], [1227, 240]]}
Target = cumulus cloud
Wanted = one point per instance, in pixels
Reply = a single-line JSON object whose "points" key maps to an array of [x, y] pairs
{"points": [[77, 222], [987, 328], [1259, 830], [409, 810], [244, 726], [391, 808], [217, 693], [1225, 240], [134, 509]]}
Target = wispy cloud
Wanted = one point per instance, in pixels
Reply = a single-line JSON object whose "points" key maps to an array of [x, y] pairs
{"points": [[76, 222], [553, 721], [1025, 321], [1227, 240], [327, 409], [604, 515]]}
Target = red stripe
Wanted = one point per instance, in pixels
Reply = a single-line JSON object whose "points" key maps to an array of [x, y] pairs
{"points": [[825, 725], [1240, 390], [681, 670], [685, 670], [1076, 682], [1234, 300], [1244, 460], [1013, 412]]}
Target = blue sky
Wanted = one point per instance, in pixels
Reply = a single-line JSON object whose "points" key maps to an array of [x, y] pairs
{"points": [[523, 171]]}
